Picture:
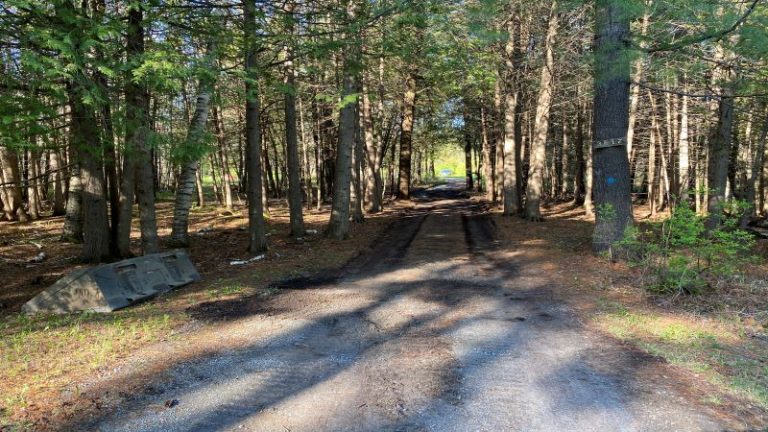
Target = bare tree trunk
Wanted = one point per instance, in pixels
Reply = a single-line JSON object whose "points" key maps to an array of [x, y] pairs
{"points": [[214, 178], [755, 173], [356, 208], [684, 165], [406, 136], [538, 146], [512, 156], [89, 153], [305, 151], [295, 203], [199, 187], [652, 167], [732, 189], [665, 196], [12, 202], [579, 187], [257, 235], [764, 184], [187, 178], [73, 216], [270, 184], [110, 164], [223, 159], [338, 226], [468, 148], [696, 170], [498, 142], [487, 155], [33, 197], [512, 118], [373, 174], [564, 164], [479, 165], [127, 188], [611, 175], [671, 154], [634, 100], [664, 184], [719, 153], [137, 161], [57, 167]]}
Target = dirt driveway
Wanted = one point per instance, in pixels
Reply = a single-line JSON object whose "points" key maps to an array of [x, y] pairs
{"points": [[434, 329]]}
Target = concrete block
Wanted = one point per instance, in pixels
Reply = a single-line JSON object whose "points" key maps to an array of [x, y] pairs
{"points": [[114, 286]]}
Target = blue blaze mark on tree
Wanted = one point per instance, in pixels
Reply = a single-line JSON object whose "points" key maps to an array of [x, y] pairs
{"points": [[611, 181]]}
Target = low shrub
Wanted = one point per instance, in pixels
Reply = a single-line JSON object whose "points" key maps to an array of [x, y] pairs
{"points": [[683, 256]]}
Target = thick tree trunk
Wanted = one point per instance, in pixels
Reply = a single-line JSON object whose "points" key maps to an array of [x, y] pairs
{"points": [[611, 176], [137, 163], [338, 226], [512, 157], [89, 153], [257, 234], [541, 127], [406, 136], [719, 155]]}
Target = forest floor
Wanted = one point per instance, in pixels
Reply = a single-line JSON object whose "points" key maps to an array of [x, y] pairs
{"points": [[46, 359], [445, 317]]}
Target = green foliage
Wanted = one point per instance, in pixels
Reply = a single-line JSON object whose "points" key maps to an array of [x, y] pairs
{"points": [[683, 257]]}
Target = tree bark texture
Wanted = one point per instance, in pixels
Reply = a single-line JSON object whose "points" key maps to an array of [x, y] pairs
{"points": [[611, 177]]}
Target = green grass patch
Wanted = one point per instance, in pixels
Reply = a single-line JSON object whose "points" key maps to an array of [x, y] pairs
{"points": [[42, 352], [227, 290], [722, 357]]}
